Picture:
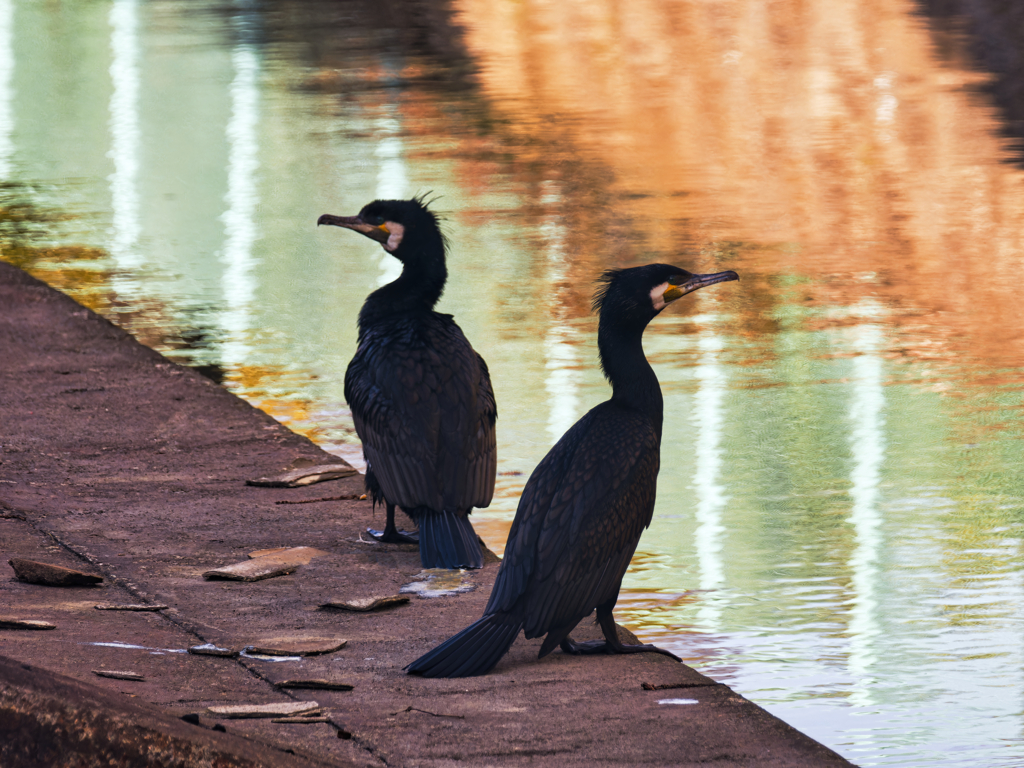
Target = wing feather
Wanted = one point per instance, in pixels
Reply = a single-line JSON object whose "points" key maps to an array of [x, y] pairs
{"points": [[579, 519], [423, 407]]}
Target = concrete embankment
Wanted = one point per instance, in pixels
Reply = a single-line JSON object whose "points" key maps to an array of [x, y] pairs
{"points": [[122, 464]]}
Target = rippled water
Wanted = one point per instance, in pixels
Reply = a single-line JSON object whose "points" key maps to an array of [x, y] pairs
{"points": [[838, 532]]}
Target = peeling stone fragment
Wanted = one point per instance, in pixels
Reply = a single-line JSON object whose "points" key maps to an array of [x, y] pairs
{"points": [[367, 603], [300, 555], [439, 582], [276, 563], [209, 649], [297, 646], [130, 607], [283, 709], [114, 674], [297, 478], [265, 552], [252, 570], [303, 720], [317, 685], [52, 575], [7, 622]]}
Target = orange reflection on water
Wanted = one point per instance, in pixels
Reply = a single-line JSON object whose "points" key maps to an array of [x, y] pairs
{"points": [[493, 530], [65, 269], [273, 390], [831, 132]]}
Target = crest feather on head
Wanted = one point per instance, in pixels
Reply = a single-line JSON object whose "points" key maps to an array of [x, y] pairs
{"points": [[604, 283], [427, 199]]}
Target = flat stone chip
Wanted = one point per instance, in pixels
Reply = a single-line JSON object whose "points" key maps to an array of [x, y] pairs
{"points": [[265, 552], [299, 555], [439, 582], [297, 478], [367, 603], [297, 646], [52, 575], [209, 649], [283, 709], [317, 685], [251, 570], [7, 622], [130, 607], [303, 720], [118, 675], [276, 563]]}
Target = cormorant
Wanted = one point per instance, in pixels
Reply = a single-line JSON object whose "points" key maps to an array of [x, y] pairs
{"points": [[586, 504], [420, 395]]}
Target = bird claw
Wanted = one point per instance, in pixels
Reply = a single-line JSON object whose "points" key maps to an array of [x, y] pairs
{"points": [[394, 536]]}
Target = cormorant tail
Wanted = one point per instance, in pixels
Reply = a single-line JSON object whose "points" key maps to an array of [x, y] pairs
{"points": [[447, 540], [474, 651]]}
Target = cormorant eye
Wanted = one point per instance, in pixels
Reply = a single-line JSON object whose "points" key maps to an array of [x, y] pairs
{"points": [[378, 219]]}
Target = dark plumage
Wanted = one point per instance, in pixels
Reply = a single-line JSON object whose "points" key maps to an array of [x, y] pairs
{"points": [[421, 397], [584, 507]]}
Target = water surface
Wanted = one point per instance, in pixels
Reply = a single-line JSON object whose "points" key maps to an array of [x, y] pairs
{"points": [[838, 531]]}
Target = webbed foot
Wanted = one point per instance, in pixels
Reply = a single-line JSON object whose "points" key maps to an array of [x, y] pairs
{"points": [[603, 646], [394, 536]]}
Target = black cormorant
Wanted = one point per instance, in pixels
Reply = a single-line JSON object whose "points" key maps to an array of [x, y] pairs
{"points": [[420, 395], [586, 504]]}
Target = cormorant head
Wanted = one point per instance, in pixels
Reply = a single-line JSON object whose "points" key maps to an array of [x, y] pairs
{"points": [[394, 224], [638, 294]]}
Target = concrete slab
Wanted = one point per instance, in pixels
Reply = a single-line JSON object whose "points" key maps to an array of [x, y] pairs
{"points": [[118, 462]]}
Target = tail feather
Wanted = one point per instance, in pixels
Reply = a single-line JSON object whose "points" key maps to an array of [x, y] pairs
{"points": [[447, 540], [474, 651], [489, 650]]}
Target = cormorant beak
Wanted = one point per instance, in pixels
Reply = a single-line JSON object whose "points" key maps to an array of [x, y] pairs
{"points": [[695, 282], [378, 233]]}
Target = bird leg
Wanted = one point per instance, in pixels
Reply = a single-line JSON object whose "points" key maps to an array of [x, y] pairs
{"points": [[611, 642], [391, 534]]}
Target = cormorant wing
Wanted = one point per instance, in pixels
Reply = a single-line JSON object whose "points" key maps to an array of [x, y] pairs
{"points": [[483, 444], [579, 519], [414, 388]]}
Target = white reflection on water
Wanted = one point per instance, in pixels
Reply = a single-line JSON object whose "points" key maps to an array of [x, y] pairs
{"points": [[868, 446], [885, 109], [6, 89], [240, 229], [708, 420], [124, 135], [392, 182], [562, 380], [561, 357]]}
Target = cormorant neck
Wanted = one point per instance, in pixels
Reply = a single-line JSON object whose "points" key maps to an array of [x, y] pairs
{"points": [[417, 289], [634, 384]]}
